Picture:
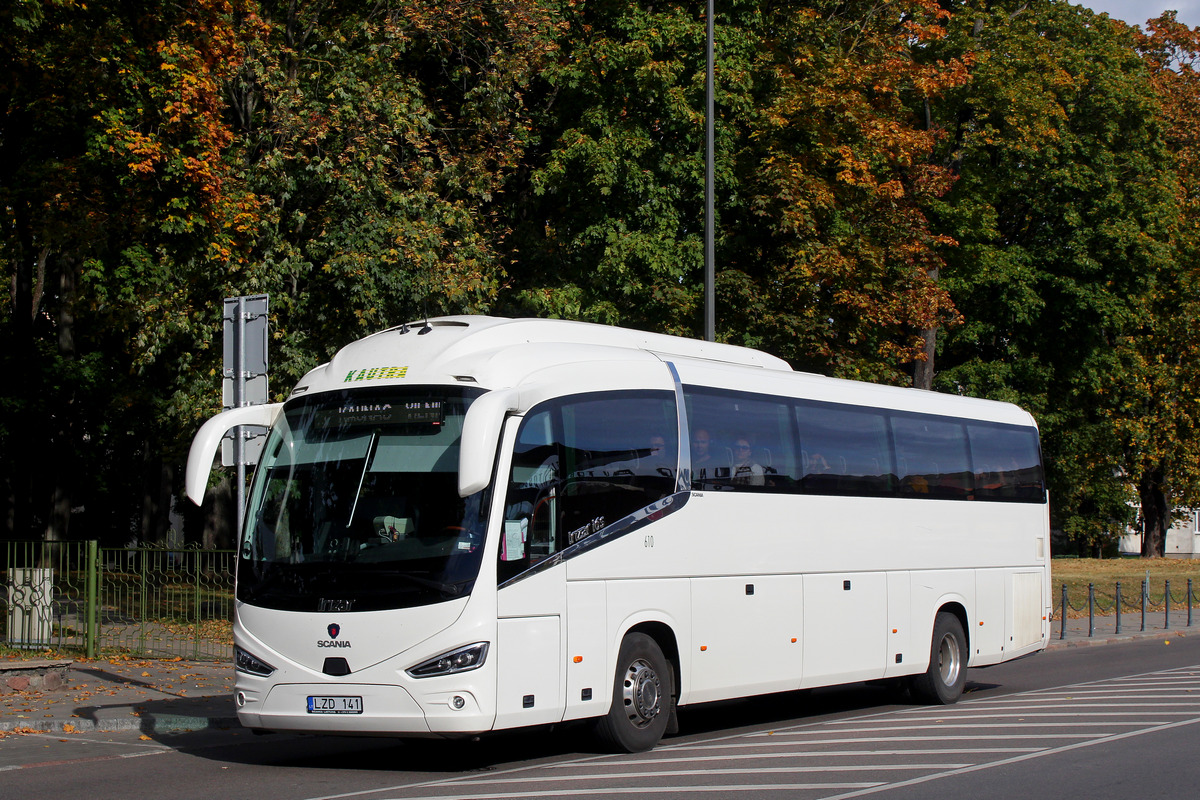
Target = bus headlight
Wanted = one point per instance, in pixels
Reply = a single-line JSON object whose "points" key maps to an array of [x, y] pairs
{"points": [[464, 659], [244, 662]]}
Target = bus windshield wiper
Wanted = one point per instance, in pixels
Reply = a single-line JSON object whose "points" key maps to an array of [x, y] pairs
{"points": [[366, 465]]}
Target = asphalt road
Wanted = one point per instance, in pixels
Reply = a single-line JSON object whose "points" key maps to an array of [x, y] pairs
{"points": [[1114, 721]]}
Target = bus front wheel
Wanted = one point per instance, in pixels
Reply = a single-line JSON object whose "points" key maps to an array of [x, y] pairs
{"points": [[943, 682], [643, 692]]}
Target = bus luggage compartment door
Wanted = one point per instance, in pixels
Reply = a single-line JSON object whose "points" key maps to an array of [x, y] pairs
{"points": [[845, 627], [529, 671], [746, 632]]}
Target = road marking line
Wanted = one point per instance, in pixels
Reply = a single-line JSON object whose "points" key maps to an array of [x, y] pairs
{"points": [[89, 760], [76, 738], [1038, 714], [1126, 695], [954, 751], [738, 741], [675, 773], [766, 787], [975, 725], [1013, 760]]}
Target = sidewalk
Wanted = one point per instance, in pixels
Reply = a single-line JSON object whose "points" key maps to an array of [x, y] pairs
{"points": [[1104, 629], [120, 695], [169, 696]]}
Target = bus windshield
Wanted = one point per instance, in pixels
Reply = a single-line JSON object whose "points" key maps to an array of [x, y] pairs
{"points": [[355, 504]]}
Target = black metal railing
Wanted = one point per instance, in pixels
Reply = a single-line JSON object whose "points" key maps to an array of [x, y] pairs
{"points": [[1118, 610]]}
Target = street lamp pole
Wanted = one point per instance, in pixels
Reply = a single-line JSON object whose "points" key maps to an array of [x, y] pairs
{"points": [[710, 317]]}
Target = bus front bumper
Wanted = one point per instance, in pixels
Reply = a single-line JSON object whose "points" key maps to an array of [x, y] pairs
{"points": [[361, 709]]}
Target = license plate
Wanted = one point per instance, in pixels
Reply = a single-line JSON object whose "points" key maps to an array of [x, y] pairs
{"points": [[326, 704]]}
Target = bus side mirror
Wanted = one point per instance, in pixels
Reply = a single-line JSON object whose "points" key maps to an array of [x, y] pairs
{"points": [[208, 439], [480, 437]]}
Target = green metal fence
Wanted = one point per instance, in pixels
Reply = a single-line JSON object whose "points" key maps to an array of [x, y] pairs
{"points": [[150, 602]]}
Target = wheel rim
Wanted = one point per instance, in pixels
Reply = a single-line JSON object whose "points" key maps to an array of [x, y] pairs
{"points": [[641, 692], [949, 660]]}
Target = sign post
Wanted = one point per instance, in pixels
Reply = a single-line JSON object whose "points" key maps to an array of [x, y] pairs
{"points": [[244, 383]]}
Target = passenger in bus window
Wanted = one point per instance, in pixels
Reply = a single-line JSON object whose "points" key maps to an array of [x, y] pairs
{"points": [[661, 460], [745, 471], [658, 446]]}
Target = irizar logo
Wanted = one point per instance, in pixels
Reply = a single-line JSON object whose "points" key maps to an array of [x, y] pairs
{"points": [[333, 630]]}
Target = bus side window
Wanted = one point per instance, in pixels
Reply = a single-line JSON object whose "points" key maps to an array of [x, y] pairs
{"points": [[740, 441], [580, 464], [1006, 463], [622, 453], [932, 452], [529, 504], [846, 450]]}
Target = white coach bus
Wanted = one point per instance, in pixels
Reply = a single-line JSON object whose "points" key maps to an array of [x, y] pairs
{"points": [[471, 523]]}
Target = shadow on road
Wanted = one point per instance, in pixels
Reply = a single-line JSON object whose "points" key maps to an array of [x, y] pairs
{"points": [[506, 750]]}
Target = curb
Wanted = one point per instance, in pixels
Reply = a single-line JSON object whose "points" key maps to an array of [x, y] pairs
{"points": [[149, 723], [1111, 638]]}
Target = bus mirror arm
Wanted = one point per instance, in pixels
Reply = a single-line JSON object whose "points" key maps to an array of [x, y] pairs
{"points": [[208, 439], [480, 438]]}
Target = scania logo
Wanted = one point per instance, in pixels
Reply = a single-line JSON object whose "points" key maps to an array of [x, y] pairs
{"points": [[333, 630]]}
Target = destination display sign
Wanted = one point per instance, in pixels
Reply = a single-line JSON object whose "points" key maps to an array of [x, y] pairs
{"points": [[367, 412]]}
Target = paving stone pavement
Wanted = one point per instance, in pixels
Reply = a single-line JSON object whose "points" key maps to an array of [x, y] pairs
{"points": [[119, 694]]}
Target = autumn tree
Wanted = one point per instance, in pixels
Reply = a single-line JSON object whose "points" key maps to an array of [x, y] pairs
{"points": [[1162, 437], [1061, 212], [345, 159], [112, 152], [839, 270], [981, 193], [822, 168]]}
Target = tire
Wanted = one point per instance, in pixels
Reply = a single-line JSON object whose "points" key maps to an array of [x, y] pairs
{"points": [[942, 683], [642, 698]]}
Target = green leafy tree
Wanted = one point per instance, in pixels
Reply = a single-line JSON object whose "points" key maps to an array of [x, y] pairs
{"points": [[822, 168], [881, 167], [377, 140], [609, 217], [344, 159], [1162, 435], [96, 103], [839, 270], [1061, 213]]}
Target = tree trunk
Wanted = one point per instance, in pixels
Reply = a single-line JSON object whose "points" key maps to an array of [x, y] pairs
{"points": [[214, 524], [923, 370], [1156, 516], [28, 272], [156, 497], [59, 519]]}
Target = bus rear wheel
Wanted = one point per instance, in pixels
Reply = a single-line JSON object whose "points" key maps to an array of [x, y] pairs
{"points": [[643, 693], [942, 683]]}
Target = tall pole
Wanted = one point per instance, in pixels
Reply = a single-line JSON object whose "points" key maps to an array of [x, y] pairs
{"points": [[239, 400], [710, 314]]}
